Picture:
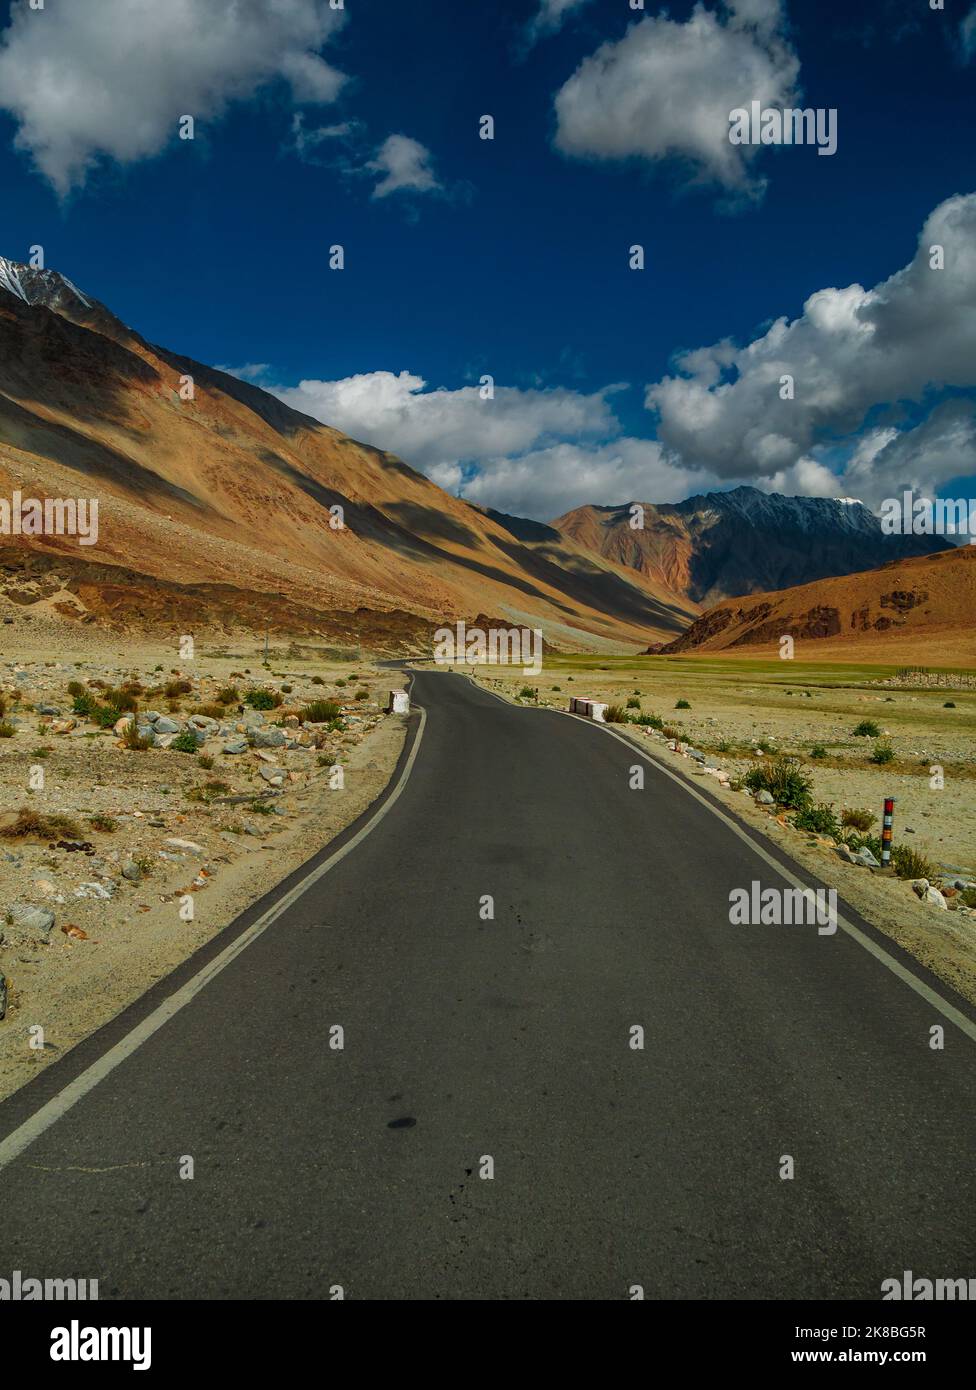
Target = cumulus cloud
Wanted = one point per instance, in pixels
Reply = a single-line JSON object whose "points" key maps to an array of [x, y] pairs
{"points": [[665, 90], [533, 453], [404, 166], [546, 483], [111, 78], [438, 428], [850, 352]]}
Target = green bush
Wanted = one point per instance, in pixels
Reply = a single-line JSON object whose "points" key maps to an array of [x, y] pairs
{"points": [[362, 694], [317, 680], [682, 704], [650, 721], [173, 689], [185, 742], [968, 897], [855, 841], [106, 716], [819, 750], [633, 704], [882, 753], [866, 729], [75, 688], [819, 818], [856, 819], [259, 698], [785, 781], [616, 714], [320, 712], [84, 704], [6, 729], [949, 704], [909, 863], [228, 695]]}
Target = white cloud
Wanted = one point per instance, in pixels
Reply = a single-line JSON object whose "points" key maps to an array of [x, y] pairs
{"points": [[551, 16], [545, 483], [532, 453], [443, 428], [93, 79], [851, 351], [665, 90], [404, 165]]}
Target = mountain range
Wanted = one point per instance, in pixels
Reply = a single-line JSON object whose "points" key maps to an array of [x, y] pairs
{"points": [[223, 507], [722, 544]]}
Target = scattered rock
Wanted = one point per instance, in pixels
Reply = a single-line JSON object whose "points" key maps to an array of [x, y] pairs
{"points": [[132, 872], [26, 923], [764, 798]]}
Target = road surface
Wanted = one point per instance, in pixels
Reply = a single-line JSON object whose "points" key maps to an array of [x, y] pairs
{"points": [[468, 1040]]}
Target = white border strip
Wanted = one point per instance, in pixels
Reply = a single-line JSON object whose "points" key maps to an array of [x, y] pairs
{"points": [[947, 1010], [53, 1110]]}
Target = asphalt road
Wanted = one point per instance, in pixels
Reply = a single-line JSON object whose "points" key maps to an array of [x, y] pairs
{"points": [[510, 1038]]}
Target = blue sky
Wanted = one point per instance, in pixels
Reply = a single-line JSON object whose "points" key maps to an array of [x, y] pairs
{"points": [[509, 257]]}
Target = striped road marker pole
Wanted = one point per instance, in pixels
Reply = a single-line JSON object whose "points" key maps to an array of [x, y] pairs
{"points": [[889, 815]]}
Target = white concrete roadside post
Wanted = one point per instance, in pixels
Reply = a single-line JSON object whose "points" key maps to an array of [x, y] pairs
{"points": [[398, 703]]}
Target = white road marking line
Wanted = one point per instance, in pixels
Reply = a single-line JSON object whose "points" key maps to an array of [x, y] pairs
{"points": [[53, 1110], [942, 1006]]}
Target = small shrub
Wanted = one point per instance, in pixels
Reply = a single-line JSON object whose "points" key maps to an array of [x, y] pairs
{"points": [[133, 740], [259, 698], [616, 714], [228, 695], [867, 729], [765, 746], [856, 819], [184, 742], [650, 721], [882, 753], [210, 711], [819, 818], [173, 689], [968, 897], [120, 700], [682, 704], [320, 712], [317, 680], [144, 864], [819, 750], [6, 729], [205, 761], [669, 731], [84, 704], [949, 704], [632, 703], [340, 681], [287, 689], [526, 693], [104, 823], [854, 842], [555, 687], [41, 752], [909, 863], [785, 781], [75, 688], [260, 808], [106, 716], [34, 825], [362, 694]]}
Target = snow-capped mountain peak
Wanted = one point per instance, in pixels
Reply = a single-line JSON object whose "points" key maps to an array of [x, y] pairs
{"points": [[41, 287]]}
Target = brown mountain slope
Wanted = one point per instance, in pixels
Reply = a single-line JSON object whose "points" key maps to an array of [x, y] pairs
{"points": [[914, 610], [744, 541], [233, 490]]}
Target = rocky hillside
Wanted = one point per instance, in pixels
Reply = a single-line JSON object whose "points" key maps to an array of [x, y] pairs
{"points": [[915, 609], [223, 503], [723, 544]]}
